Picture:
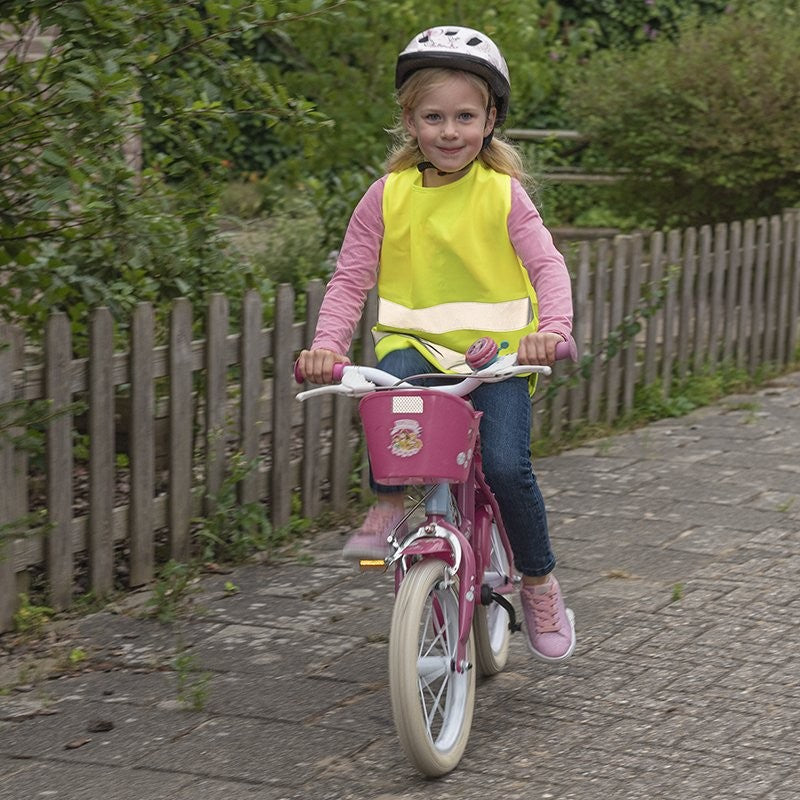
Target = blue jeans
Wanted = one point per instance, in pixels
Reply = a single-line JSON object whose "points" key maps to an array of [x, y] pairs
{"points": [[505, 445]]}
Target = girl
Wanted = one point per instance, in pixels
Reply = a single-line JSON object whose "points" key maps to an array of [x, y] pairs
{"points": [[458, 252]]}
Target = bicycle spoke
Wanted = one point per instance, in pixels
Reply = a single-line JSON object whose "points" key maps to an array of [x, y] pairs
{"points": [[436, 705], [434, 662]]}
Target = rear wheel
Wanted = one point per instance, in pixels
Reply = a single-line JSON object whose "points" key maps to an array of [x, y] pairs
{"points": [[490, 623], [432, 701]]}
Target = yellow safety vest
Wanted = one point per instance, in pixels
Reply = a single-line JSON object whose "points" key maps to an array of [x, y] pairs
{"points": [[448, 272]]}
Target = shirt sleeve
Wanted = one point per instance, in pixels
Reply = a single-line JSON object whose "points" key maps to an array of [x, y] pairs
{"points": [[546, 268], [355, 274]]}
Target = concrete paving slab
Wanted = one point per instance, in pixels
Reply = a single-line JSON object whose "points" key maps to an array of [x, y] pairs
{"points": [[254, 649], [252, 750], [277, 698], [96, 733], [63, 781]]}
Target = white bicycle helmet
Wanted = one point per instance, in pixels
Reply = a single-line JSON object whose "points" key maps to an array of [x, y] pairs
{"points": [[458, 48]]}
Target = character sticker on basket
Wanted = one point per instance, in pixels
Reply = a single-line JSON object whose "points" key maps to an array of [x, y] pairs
{"points": [[406, 438]]}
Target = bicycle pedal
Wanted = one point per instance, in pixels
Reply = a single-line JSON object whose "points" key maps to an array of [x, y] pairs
{"points": [[366, 564]]}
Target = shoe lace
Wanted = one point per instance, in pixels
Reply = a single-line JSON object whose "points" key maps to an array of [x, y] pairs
{"points": [[545, 611]]}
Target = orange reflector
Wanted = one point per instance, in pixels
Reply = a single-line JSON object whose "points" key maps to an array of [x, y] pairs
{"points": [[372, 563]]}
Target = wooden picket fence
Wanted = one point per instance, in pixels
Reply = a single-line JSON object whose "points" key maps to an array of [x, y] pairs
{"points": [[162, 422]]}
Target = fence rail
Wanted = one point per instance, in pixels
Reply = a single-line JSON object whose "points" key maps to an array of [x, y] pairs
{"points": [[162, 421]]}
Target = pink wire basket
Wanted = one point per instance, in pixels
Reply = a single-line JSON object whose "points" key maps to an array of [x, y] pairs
{"points": [[419, 437]]}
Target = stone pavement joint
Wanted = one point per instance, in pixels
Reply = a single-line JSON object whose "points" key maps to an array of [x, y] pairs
{"points": [[679, 550]]}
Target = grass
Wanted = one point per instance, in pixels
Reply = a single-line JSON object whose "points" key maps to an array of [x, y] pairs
{"points": [[30, 619], [193, 687]]}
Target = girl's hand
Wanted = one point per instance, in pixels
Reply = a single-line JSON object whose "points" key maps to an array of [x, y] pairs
{"points": [[538, 349], [317, 365]]}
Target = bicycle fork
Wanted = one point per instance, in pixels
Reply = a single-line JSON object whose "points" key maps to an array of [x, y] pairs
{"points": [[440, 538]]}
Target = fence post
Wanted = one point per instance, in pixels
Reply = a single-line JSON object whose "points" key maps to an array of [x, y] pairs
{"points": [[652, 322], [759, 276], [668, 358], [632, 301], [58, 360], [794, 289], [785, 288], [773, 277], [621, 247], [180, 429], [9, 352], [341, 452], [744, 334], [701, 320], [687, 299], [580, 330], [716, 319], [250, 358], [101, 451], [216, 390], [598, 330], [282, 399], [732, 284], [312, 414], [142, 446]]}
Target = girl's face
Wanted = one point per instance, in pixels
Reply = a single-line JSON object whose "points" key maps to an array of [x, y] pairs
{"points": [[449, 122]]}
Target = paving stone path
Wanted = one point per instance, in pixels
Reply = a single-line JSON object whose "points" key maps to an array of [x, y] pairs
{"points": [[679, 549]]}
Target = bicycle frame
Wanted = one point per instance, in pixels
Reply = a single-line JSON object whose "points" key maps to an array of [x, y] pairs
{"points": [[463, 543], [464, 548]]}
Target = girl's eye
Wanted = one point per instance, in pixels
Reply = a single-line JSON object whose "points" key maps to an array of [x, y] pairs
{"points": [[432, 117], [466, 116]]}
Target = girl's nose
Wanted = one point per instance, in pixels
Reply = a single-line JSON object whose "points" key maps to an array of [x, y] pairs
{"points": [[449, 130]]}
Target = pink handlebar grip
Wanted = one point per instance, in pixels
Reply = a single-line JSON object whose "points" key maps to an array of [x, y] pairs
{"points": [[566, 350], [338, 370]]}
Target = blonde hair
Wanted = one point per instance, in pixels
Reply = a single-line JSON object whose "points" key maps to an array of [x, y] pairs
{"points": [[500, 155]]}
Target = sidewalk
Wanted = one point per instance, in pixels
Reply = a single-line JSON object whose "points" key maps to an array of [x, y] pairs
{"points": [[679, 549]]}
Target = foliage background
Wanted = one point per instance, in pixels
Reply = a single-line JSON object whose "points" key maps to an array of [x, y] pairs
{"points": [[263, 121], [705, 127]]}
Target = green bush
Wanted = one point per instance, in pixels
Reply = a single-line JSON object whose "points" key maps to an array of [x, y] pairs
{"points": [[630, 23], [285, 246], [81, 225], [706, 127]]}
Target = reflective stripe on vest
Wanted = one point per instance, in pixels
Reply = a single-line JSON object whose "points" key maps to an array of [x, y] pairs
{"points": [[445, 317]]}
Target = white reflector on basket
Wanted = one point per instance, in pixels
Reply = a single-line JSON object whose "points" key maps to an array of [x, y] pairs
{"points": [[402, 404]]}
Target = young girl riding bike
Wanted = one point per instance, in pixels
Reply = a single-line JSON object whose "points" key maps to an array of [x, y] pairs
{"points": [[458, 251]]}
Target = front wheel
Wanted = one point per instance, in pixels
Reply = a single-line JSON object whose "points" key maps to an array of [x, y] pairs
{"points": [[432, 701], [491, 623]]}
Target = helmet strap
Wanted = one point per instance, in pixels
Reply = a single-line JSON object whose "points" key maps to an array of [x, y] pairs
{"points": [[423, 165]]}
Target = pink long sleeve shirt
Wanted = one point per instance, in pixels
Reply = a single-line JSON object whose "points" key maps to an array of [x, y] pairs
{"points": [[357, 269]]}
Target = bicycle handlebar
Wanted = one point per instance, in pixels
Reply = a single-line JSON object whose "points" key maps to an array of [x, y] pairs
{"points": [[358, 380]]}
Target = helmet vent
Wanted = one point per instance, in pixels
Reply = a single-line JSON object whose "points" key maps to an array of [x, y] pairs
{"points": [[423, 39], [451, 33], [474, 41]]}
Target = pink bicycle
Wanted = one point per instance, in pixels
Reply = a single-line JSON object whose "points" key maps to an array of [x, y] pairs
{"points": [[453, 573]]}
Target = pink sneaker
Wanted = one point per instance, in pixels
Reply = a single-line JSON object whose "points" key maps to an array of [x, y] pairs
{"points": [[550, 625], [371, 539]]}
